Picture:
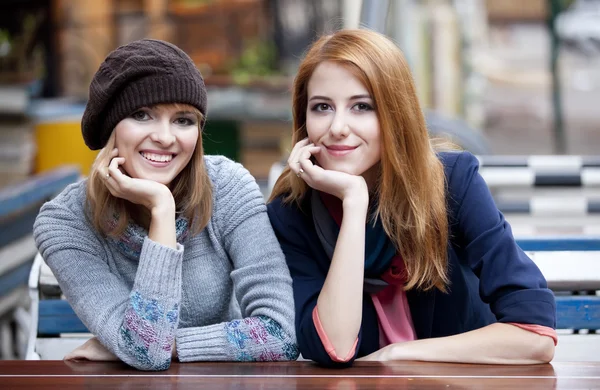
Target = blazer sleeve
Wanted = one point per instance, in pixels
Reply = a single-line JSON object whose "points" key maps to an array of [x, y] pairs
{"points": [[308, 278], [509, 280]]}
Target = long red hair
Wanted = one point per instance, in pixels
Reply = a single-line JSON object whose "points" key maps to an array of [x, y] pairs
{"points": [[411, 185]]}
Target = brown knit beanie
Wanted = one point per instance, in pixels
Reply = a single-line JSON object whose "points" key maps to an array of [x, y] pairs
{"points": [[140, 74]]}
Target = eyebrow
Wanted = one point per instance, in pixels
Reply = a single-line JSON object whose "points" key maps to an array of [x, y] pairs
{"points": [[355, 97]]}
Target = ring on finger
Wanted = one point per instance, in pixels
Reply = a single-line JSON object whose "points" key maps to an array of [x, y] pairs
{"points": [[300, 172]]}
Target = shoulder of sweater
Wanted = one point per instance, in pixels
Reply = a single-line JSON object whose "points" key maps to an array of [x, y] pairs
{"points": [[221, 168], [71, 199], [235, 192], [226, 174], [65, 214]]}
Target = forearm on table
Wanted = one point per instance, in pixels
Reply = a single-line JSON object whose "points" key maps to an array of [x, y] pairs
{"points": [[258, 338], [494, 344]]}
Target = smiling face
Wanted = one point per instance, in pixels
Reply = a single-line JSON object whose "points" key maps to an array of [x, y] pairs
{"points": [[341, 119], [157, 142]]}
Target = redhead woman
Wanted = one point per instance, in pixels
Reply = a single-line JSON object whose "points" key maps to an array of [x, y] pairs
{"points": [[164, 252], [397, 250]]}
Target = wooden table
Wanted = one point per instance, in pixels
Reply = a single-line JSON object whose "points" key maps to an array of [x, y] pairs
{"points": [[297, 375]]}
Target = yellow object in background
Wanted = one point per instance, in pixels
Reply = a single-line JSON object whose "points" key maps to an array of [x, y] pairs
{"points": [[59, 142]]}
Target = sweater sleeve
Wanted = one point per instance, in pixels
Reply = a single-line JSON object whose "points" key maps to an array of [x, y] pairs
{"points": [[137, 325], [261, 280], [308, 277], [509, 280]]}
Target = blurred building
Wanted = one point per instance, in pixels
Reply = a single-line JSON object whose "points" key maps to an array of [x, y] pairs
{"points": [[476, 60], [510, 11]]}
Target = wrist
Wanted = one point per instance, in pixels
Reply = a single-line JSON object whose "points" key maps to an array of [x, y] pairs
{"points": [[162, 202], [357, 198], [163, 209], [394, 352], [407, 350], [355, 207]]}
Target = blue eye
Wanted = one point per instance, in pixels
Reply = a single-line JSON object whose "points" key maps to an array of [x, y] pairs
{"points": [[140, 115], [183, 121]]}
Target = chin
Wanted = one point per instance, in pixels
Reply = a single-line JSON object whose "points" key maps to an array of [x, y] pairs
{"points": [[161, 180], [348, 170], [166, 182]]}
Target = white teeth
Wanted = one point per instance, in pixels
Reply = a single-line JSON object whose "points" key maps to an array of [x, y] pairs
{"points": [[157, 157]]}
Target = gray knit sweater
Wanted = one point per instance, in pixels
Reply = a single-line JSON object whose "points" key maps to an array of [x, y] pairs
{"points": [[224, 294]]}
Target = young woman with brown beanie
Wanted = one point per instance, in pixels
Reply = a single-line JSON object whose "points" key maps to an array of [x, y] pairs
{"points": [[164, 251]]}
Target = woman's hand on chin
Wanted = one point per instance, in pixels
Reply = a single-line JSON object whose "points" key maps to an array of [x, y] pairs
{"points": [[348, 188], [147, 193]]}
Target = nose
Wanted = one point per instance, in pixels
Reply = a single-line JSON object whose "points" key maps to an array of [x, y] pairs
{"points": [[162, 134], [339, 126]]}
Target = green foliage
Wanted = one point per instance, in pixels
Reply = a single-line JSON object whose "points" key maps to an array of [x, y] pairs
{"points": [[5, 45], [191, 3], [259, 59], [566, 3], [4, 36]]}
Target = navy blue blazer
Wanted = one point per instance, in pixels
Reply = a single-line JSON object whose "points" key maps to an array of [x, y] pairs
{"points": [[491, 278]]}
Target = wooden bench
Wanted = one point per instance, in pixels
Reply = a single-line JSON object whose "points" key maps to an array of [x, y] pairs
{"points": [[54, 328], [571, 266], [19, 205]]}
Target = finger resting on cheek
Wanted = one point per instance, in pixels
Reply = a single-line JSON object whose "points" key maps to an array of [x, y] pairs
{"points": [[305, 165], [114, 173], [306, 155]]}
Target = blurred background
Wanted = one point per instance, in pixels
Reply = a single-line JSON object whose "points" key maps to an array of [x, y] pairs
{"points": [[499, 78], [489, 64]]}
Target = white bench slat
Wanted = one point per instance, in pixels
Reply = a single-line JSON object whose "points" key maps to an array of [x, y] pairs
{"points": [[577, 348], [17, 253], [569, 270]]}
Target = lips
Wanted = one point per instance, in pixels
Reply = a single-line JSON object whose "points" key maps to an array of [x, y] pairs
{"points": [[340, 150], [340, 147]]}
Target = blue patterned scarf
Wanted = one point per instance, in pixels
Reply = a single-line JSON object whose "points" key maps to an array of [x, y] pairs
{"points": [[131, 241], [379, 249]]}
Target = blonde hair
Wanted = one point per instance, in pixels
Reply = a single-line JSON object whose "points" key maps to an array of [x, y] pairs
{"points": [[191, 189], [411, 183]]}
